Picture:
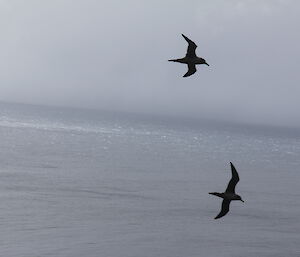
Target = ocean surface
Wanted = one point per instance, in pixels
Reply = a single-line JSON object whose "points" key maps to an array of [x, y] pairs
{"points": [[77, 183]]}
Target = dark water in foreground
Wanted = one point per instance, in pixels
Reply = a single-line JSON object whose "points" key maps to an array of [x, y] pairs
{"points": [[81, 183]]}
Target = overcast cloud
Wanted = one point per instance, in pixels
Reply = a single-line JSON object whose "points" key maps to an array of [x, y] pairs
{"points": [[113, 55]]}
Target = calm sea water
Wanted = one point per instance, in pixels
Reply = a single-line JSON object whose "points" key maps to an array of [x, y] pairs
{"points": [[84, 183]]}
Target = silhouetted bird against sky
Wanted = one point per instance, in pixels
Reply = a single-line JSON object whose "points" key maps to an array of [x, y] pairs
{"points": [[191, 59], [229, 195]]}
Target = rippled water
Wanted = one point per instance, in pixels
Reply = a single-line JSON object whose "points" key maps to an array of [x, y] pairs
{"points": [[85, 183]]}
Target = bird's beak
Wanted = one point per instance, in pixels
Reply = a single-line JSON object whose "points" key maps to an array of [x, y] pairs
{"points": [[242, 200], [206, 64]]}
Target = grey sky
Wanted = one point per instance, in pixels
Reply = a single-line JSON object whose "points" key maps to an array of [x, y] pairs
{"points": [[113, 55]]}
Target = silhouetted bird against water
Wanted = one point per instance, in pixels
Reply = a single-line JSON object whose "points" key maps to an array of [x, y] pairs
{"points": [[229, 195], [191, 59]]}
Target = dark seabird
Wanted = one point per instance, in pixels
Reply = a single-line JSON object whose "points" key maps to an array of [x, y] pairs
{"points": [[229, 195], [191, 59]]}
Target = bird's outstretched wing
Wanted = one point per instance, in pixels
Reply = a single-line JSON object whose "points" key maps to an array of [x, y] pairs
{"points": [[225, 209], [191, 51], [191, 71], [234, 180]]}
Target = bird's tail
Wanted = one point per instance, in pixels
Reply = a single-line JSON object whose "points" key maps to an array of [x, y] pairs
{"points": [[174, 60], [216, 194]]}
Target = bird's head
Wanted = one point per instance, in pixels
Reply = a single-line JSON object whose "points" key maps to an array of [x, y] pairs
{"points": [[205, 62], [240, 198]]}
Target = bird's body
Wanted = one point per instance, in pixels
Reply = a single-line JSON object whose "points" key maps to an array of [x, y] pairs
{"points": [[229, 195], [191, 59]]}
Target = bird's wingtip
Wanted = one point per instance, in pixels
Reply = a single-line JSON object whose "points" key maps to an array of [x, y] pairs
{"points": [[232, 166]]}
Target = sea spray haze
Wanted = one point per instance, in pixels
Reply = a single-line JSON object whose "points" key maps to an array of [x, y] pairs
{"points": [[85, 183]]}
